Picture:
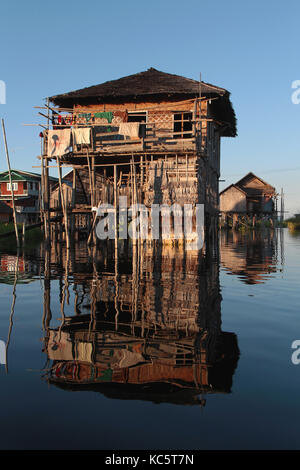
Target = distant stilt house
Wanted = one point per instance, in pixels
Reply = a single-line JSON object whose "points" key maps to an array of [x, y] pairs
{"points": [[26, 188], [153, 137], [249, 198]]}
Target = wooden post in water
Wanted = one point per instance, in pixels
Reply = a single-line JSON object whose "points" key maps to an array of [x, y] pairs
{"points": [[47, 316], [47, 201], [94, 198], [235, 221], [92, 202], [116, 277], [23, 232], [64, 209], [133, 194], [73, 201], [115, 204], [11, 185], [12, 311], [46, 184]]}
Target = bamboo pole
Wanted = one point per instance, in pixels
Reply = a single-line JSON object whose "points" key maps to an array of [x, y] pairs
{"points": [[63, 203], [47, 202], [133, 201], [90, 178], [116, 278], [64, 293], [115, 205], [142, 177], [47, 315], [12, 311], [93, 179], [90, 237], [23, 232], [91, 234], [11, 185], [73, 201]]}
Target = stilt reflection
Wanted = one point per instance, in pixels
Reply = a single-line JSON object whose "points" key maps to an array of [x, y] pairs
{"points": [[145, 326], [252, 256]]}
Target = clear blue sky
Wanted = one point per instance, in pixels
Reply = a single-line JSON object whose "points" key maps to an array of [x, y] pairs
{"points": [[251, 49]]}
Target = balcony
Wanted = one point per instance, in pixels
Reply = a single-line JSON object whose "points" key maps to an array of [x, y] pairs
{"points": [[107, 139]]}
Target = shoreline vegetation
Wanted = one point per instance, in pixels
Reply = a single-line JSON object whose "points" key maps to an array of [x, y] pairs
{"points": [[293, 224], [8, 238], [246, 225]]}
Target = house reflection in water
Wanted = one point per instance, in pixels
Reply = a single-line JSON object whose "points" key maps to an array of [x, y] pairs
{"points": [[146, 327], [252, 256], [25, 268]]}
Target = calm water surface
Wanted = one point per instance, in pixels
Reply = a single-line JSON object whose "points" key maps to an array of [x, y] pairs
{"points": [[162, 349]]}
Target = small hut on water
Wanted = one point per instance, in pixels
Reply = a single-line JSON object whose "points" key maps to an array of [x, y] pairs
{"points": [[152, 136], [247, 201]]}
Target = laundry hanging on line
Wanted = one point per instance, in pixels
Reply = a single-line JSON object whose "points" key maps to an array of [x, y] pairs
{"points": [[59, 142], [108, 115], [81, 135], [86, 116], [130, 129], [122, 114]]}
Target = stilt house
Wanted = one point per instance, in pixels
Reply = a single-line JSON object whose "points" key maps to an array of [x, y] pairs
{"points": [[251, 197], [152, 136]]}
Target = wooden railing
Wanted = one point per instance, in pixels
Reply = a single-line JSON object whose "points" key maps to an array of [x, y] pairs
{"points": [[107, 139]]}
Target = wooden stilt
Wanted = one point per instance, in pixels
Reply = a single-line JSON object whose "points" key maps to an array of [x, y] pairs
{"points": [[115, 204], [90, 179], [12, 311], [141, 178], [93, 182], [23, 232], [73, 201], [47, 203], [93, 216], [63, 203]]}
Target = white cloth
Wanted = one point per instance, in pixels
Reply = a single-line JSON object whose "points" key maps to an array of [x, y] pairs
{"points": [[59, 142], [81, 135], [123, 358], [130, 129], [62, 348]]}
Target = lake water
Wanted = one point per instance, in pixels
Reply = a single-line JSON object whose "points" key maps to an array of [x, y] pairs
{"points": [[160, 348]]}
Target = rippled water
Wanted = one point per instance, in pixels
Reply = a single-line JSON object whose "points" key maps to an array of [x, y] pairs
{"points": [[155, 348]]}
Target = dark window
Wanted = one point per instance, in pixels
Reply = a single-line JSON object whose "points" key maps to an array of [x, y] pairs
{"points": [[182, 125], [139, 117]]}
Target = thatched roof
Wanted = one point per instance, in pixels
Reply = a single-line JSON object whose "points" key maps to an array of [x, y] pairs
{"points": [[234, 186], [248, 191], [152, 85], [150, 82], [251, 176]]}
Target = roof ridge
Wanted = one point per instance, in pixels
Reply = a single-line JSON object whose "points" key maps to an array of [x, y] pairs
{"points": [[136, 75], [255, 176]]}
